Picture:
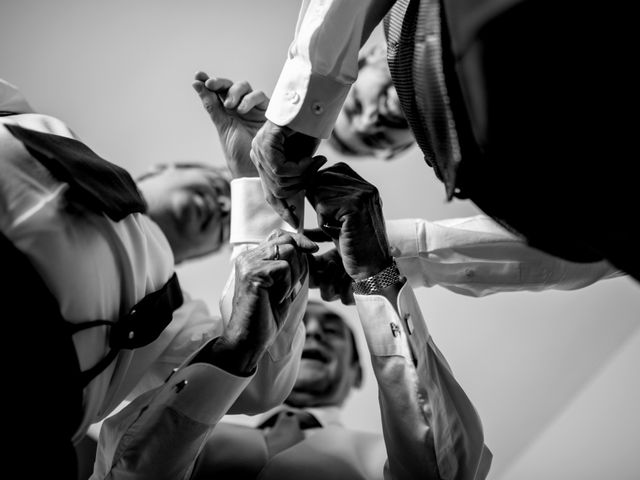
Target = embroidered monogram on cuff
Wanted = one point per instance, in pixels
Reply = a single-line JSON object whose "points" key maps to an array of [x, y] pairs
{"points": [[381, 280]]}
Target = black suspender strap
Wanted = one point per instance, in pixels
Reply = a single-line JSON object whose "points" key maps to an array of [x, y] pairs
{"points": [[142, 325]]}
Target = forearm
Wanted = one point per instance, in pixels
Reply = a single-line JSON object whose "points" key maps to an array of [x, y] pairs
{"points": [[475, 256], [159, 434], [430, 427], [252, 220], [323, 63]]}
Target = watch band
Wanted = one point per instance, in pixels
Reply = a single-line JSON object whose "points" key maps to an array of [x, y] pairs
{"points": [[381, 280]]}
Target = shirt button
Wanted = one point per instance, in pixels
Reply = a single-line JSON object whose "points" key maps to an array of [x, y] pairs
{"points": [[317, 108], [293, 97]]}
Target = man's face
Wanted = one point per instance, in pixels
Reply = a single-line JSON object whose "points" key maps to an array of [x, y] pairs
{"points": [[371, 122], [328, 368], [191, 205]]}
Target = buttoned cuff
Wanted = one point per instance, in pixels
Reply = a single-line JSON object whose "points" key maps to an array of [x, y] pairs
{"points": [[306, 102], [252, 218], [201, 392], [386, 332], [404, 238]]}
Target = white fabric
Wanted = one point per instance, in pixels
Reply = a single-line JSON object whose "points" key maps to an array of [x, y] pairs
{"points": [[477, 257], [427, 419], [322, 63]]}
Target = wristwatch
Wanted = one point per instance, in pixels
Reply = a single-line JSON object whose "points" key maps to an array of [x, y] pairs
{"points": [[381, 280]]}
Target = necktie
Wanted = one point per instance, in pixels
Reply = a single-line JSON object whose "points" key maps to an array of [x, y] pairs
{"points": [[94, 183], [287, 429], [414, 38]]}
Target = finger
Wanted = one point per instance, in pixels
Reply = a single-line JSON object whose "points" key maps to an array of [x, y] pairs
{"points": [[286, 167], [235, 94], [317, 235], [201, 76], [218, 85], [210, 102], [251, 100]]}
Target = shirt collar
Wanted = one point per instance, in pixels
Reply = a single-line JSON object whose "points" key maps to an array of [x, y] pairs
{"points": [[326, 416]]}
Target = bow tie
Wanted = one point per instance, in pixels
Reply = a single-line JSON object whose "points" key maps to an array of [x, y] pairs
{"points": [[284, 429]]}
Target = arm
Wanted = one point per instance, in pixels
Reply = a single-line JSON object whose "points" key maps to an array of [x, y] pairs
{"points": [[475, 256], [321, 65], [430, 427], [238, 112]]}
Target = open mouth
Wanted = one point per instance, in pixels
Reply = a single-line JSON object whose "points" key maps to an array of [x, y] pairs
{"points": [[314, 354]]}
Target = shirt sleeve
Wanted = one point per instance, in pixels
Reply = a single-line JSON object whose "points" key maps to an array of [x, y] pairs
{"points": [[252, 219], [475, 256], [322, 63], [160, 433], [430, 427]]}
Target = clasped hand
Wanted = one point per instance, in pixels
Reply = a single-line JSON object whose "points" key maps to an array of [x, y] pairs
{"points": [[349, 212]]}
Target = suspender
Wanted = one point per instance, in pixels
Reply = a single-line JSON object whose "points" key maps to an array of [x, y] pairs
{"points": [[142, 325]]}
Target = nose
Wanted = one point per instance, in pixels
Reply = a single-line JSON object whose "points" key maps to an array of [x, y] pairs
{"points": [[313, 327], [368, 121]]}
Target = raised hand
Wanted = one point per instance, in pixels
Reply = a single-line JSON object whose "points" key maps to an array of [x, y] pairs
{"points": [[237, 111], [285, 164], [349, 210]]}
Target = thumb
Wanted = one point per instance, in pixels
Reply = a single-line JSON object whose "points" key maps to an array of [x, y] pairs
{"points": [[211, 102], [317, 235]]}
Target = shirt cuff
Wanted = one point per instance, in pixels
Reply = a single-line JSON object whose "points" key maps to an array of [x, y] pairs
{"points": [[385, 331], [403, 238], [306, 102], [186, 390], [252, 218]]}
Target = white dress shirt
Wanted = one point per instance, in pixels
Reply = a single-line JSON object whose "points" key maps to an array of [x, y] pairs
{"points": [[475, 256]]}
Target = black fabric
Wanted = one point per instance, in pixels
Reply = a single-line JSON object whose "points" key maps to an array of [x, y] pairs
{"points": [[547, 156], [144, 323], [284, 429], [95, 183], [43, 391]]}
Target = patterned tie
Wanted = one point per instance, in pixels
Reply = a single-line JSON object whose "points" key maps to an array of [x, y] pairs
{"points": [[285, 429], [94, 183], [414, 39]]}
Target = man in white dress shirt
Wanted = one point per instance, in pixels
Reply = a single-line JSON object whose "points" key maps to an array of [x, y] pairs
{"points": [[97, 268]]}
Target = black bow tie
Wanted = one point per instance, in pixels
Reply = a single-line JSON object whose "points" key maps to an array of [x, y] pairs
{"points": [[95, 183]]}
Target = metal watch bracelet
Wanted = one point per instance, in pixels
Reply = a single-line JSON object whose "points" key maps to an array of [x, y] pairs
{"points": [[381, 280]]}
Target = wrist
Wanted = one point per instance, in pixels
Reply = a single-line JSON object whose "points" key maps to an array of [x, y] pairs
{"points": [[231, 355], [371, 269], [378, 282]]}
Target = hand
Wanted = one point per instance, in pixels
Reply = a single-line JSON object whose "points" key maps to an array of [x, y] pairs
{"points": [[350, 211], [266, 281], [327, 273], [285, 164], [238, 113]]}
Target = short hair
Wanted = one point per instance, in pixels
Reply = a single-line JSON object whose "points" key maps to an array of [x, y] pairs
{"points": [[223, 172]]}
